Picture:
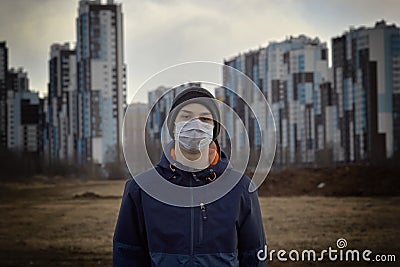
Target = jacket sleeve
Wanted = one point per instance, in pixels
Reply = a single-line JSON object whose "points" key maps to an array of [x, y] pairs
{"points": [[130, 242], [251, 236]]}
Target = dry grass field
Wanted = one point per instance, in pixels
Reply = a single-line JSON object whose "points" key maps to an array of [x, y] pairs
{"points": [[62, 222]]}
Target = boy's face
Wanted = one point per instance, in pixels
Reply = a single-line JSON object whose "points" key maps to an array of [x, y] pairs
{"points": [[195, 111]]}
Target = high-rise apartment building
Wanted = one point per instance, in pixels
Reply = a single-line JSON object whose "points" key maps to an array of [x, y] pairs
{"points": [[101, 81], [3, 94], [62, 109], [366, 78], [289, 74], [24, 115], [134, 135]]}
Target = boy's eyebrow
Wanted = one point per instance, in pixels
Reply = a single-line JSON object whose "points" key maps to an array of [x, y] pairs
{"points": [[187, 111], [191, 112]]}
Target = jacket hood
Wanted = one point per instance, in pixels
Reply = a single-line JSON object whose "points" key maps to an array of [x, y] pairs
{"points": [[176, 173]]}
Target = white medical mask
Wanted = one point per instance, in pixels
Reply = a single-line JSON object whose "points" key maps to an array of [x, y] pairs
{"points": [[193, 135]]}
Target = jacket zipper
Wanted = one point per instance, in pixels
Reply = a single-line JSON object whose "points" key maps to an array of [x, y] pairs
{"points": [[191, 222], [203, 217]]}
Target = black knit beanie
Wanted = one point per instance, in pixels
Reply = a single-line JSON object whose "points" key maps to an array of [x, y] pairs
{"points": [[194, 95]]}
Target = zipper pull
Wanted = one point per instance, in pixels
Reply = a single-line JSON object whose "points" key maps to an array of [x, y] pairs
{"points": [[203, 211]]}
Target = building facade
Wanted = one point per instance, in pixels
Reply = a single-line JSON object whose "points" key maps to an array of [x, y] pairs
{"points": [[25, 116], [134, 134], [62, 107], [3, 94], [289, 74], [366, 79], [101, 81]]}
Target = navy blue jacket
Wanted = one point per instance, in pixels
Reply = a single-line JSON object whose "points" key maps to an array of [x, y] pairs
{"points": [[226, 232]]}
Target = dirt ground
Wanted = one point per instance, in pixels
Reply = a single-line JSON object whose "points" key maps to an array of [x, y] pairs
{"points": [[71, 222], [336, 181]]}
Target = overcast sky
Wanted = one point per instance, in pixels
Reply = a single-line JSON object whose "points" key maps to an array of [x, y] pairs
{"points": [[161, 33]]}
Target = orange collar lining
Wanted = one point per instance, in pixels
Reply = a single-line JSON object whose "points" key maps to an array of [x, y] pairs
{"points": [[213, 154]]}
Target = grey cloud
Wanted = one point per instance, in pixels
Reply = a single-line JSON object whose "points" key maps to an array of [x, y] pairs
{"points": [[163, 33]]}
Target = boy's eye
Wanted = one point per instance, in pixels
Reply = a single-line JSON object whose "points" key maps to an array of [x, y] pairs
{"points": [[205, 119]]}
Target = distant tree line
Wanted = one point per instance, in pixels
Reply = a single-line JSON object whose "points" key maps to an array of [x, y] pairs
{"points": [[20, 165]]}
